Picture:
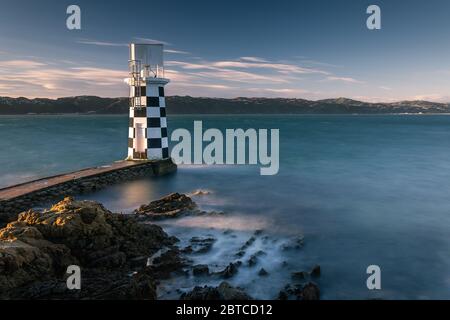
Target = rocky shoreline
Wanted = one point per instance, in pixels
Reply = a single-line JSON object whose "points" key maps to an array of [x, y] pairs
{"points": [[121, 256]]}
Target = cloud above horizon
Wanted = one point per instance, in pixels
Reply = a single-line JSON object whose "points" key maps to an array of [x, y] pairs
{"points": [[32, 78], [242, 76]]}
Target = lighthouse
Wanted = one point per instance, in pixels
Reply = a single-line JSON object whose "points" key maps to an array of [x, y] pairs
{"points": [[147, 136]]}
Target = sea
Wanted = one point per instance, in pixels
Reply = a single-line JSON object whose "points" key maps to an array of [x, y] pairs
{"points": [[361, 190]]}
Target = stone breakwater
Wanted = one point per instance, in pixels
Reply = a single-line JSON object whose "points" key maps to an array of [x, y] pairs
{"points": [[84, 181], [16, 199]]}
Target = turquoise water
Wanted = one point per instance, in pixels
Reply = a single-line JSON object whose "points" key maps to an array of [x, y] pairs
{"points": [[361, 189]]}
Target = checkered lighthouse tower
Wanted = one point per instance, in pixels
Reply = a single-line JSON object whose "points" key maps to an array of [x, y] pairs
{"points": [[147, 137]]}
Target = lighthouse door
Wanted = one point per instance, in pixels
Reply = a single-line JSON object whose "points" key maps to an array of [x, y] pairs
{"points": [[140, 138]]}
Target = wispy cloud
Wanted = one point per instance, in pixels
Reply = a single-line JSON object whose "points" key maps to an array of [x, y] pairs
{"points": [[344, 79], [253, 59], [213, 72], [245, 76], [151, 41], [125, 44], [248, 70], [280, 67], [175, 51], [33, 78], [431, 97], [101, 43], [21, 64], [319, 63]]}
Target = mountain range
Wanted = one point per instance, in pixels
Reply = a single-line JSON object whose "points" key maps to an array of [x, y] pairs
{"points": [[198, 105]]}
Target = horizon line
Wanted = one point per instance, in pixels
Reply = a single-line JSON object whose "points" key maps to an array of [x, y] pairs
{"points": [[238, 97]]}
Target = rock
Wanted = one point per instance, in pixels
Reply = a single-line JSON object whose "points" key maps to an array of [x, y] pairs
{"points": [[138, 262], [171, 206], [245, 246], [301, 275], [200, 270], [37, 248], [168, 263], [240, 253], [293, 243], [230, 270], [260, 253], [143, 286], [230, 293], [6, 217], [202, 293], [315, 272], [187, 250], [258, 232], [254, 257], [262, 272], [310, 291], [95, 285], [252, 261], [200, 193], [248, 243], [200, 244], [223, 292], [282, 295]]}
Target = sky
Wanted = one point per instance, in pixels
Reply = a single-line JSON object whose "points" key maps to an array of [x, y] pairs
{"points": [[313, 49]]}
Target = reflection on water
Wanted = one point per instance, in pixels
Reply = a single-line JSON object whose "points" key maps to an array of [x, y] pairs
{"points": [[222, 223]]}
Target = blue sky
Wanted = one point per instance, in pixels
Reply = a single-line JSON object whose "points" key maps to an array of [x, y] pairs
{"points": [[305, 49]]}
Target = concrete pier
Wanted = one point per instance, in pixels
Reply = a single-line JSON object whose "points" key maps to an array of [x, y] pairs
{"points": [[17, 198]]}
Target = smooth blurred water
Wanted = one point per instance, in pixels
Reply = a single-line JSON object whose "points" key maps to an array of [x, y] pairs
{"points": [[362, 190]]}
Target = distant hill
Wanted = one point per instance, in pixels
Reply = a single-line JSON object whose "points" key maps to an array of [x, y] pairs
{"points": [[191, 105]]}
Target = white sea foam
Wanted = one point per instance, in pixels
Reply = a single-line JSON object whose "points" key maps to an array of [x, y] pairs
{"points": [[249, 236]]}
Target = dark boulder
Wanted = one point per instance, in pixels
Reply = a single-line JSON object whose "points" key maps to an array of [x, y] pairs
{"points": [[171, 206], [230, 270], [223, 292], [200, 270], [199, 245], [310, 291], [300, 275], [315, 272], [262, 272]]}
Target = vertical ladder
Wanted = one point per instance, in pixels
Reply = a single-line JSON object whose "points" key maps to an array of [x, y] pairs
{"points": [[135, 76]]}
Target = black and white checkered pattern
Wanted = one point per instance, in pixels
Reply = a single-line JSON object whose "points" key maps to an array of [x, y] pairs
{"points": [[150, 117]]}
